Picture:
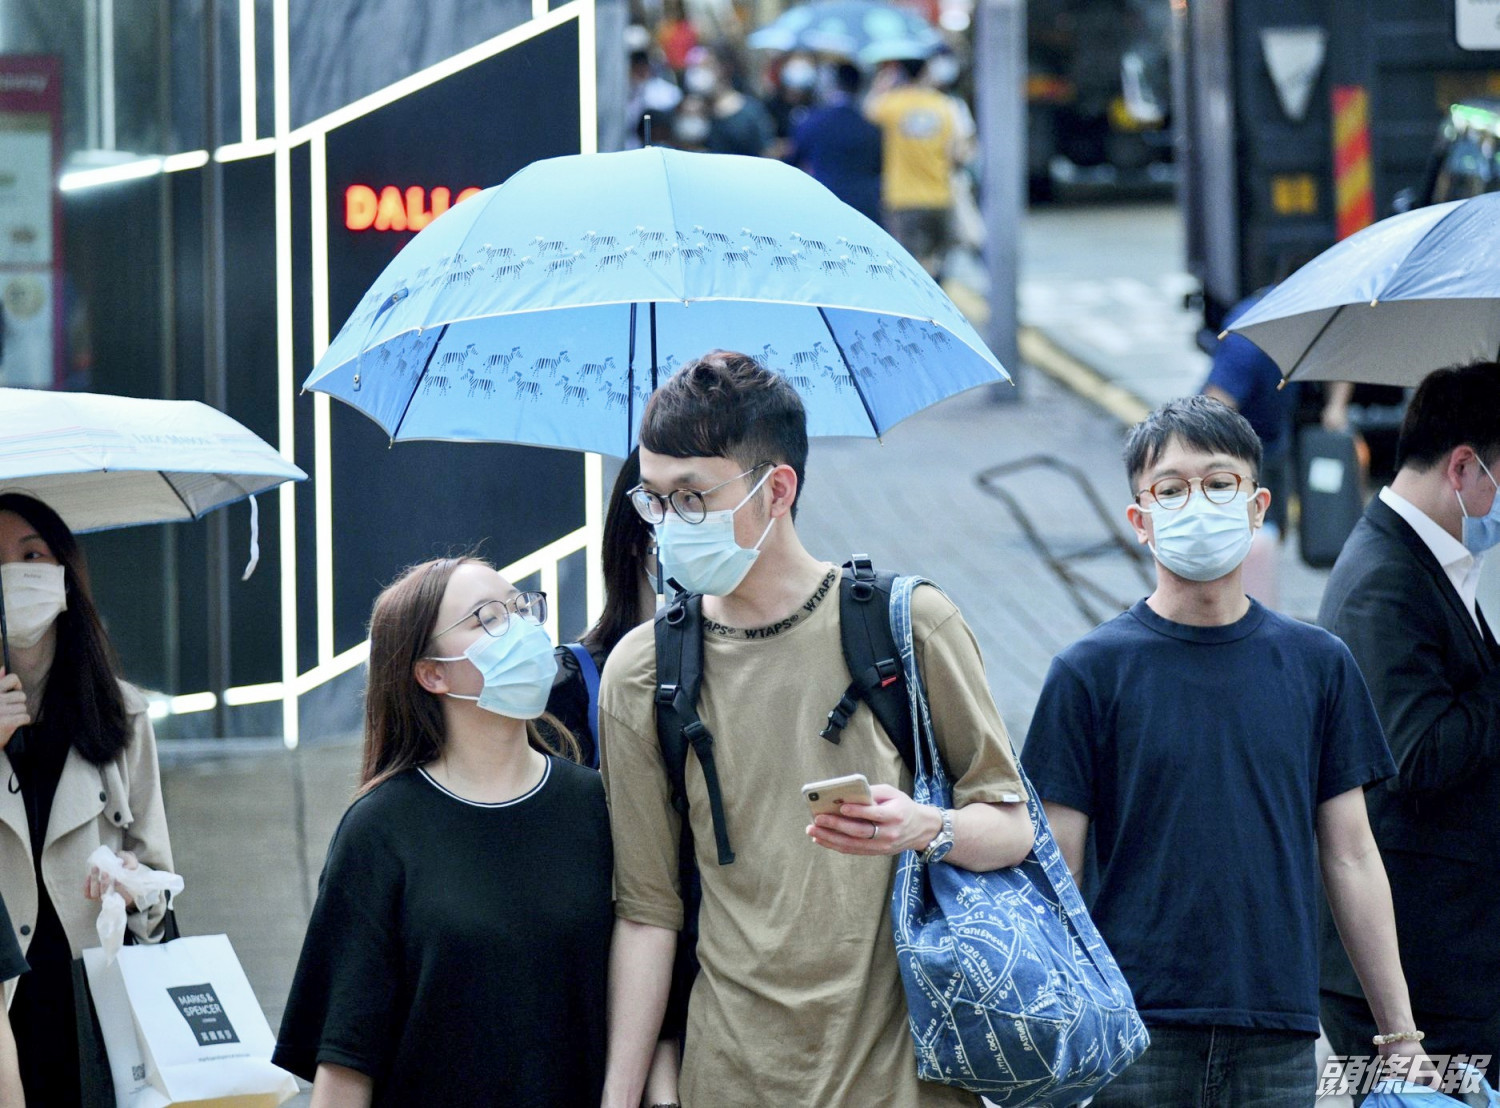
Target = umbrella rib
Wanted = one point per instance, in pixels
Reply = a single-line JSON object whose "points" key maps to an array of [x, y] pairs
{"points": [[416, 384], [630, 383], [853, 377], [1308, 348]]}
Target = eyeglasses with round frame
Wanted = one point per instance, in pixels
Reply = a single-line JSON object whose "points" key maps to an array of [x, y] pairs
{"points": [[687, 503], [494, 615], [1173, 493]]}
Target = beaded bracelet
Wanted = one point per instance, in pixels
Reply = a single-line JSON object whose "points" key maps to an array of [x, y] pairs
{"points": [[1399, 1037]]}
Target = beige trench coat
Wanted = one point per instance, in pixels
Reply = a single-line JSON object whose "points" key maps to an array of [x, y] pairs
{"points": [[117, 804]]}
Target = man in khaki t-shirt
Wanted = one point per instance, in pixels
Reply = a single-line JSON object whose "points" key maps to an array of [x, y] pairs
{"points": [[799, 1001]]}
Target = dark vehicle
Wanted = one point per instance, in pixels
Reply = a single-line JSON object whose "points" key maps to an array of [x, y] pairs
{"points": [[1098, 94], [1466, 160], [1301, 121]]}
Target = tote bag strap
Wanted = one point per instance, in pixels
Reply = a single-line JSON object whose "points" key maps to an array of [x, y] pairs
{"points": [[930, 782]]}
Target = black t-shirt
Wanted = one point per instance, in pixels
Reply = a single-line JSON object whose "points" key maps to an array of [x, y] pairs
{"points": [[1200, 755], [457, 952]]}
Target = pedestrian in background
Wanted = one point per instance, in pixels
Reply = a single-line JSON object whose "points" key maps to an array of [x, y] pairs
{"points": [[1244, 377], [459, 942], [627, 556], [799, 1001], [1218, 752], [919, 152], [794, 84], [1403, 596], [82, 771], [650, 93], [737, 123], [839, 147]]}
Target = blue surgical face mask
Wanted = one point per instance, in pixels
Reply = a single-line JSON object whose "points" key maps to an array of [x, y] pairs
{"points": [[517, 668], [1203, 541], [704, 557], [1481, 532]]}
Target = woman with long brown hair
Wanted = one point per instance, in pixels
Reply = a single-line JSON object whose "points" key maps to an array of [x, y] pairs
{"points": [[457, 951], [80, 772]]}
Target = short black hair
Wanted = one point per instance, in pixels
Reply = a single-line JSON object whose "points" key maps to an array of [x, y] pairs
{"points": [[1458, 406], [728, 405], [847, 78], [1199, 422]]}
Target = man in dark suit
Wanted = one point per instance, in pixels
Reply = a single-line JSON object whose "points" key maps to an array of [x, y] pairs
{"points": [[1402, 596]]}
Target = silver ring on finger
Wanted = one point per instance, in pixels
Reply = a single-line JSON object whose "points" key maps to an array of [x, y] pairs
{"points": [[874, 831]]}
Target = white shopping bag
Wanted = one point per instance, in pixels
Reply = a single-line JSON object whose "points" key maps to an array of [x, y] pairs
{"points": [[182, 1026]]}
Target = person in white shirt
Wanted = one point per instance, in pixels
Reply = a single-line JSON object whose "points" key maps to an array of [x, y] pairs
{"points": [[1402, 596]]}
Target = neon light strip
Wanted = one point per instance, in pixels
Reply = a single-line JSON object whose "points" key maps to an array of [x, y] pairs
{"points": [[193, 159], [258, 148], [322, 403], [286, 379], [77, 179], [247, 71]]}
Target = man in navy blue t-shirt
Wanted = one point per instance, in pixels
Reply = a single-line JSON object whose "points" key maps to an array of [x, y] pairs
{"points": [[1219, 753]]}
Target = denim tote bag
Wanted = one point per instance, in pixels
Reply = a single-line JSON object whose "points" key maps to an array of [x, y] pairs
{"points": [[1011, 990]]}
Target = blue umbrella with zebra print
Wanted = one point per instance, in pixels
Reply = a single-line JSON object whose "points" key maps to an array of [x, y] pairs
{"points": [[545, 310]]}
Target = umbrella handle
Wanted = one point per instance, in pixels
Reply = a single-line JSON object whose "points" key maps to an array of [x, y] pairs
{"points": [[4, 630]]}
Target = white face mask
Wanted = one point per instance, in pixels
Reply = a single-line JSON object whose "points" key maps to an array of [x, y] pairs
{"points": [[35, 595], [704, 557], [1203, 541]]}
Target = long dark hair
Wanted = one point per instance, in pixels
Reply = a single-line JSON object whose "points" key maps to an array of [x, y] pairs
{"points": [[627, 538], [403, 721], [82, 702]]}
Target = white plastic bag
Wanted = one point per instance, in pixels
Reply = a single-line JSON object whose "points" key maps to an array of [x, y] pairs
{"points": [[145, 886], [181, 1025]]}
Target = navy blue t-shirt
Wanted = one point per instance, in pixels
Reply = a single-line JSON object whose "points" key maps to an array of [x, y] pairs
{"points": [[1200, 755]]}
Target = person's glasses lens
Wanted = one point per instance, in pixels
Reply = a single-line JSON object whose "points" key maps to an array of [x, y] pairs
{"points": [[1220, 488], [532, 607], [1171, 494], [494, 618], [647, 506], [689, 505]]}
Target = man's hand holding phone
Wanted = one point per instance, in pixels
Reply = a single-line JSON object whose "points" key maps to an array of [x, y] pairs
{"points": [[884, 822]]}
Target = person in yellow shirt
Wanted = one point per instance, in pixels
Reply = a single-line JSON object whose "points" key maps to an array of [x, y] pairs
{"points": [[921, 135]]}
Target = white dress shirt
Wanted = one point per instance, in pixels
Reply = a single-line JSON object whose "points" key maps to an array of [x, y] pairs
{"points": [[1461, 566]]}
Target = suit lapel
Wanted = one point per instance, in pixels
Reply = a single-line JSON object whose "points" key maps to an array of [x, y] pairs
{"points": [[1386, 519]]}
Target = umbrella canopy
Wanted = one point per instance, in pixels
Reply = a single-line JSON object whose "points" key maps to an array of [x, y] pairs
{"points": [[113, 461], [1413, 293], [858, 29], [546, 309]]}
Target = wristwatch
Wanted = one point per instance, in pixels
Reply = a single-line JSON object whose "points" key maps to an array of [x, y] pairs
{"points": [[942, 842]]}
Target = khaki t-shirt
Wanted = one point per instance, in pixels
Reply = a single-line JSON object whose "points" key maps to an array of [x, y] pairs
{"points": [[799, 1001]]}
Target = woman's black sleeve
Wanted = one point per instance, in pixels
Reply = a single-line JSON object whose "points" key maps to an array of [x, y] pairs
{"points": [[343, 1006]]}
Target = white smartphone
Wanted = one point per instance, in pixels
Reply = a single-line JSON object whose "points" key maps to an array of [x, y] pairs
{"points": [[825, 797]]}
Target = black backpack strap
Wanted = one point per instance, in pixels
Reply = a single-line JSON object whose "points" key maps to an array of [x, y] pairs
{"points": [[679, 678], [872, 657]]}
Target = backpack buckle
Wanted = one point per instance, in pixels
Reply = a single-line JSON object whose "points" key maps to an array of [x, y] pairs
{"points": [[887, 672], [666, 695], [839, 718], [697, 735]]}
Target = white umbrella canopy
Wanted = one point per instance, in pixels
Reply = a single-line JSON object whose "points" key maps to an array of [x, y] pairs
{"points": [[115, 461]]}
